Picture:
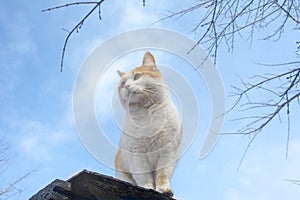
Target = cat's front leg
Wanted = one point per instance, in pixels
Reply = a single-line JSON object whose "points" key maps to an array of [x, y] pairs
{"points": [[141, 171], [144, 180], [162, 181]]}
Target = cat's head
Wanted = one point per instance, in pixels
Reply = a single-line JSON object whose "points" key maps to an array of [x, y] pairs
{"points": [[142, 86]]}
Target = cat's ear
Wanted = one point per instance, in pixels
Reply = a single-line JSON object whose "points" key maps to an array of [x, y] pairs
{"points": [[149, 61], [121, 73]]}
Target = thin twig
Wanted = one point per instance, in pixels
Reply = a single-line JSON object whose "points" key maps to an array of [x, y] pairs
{"points": [[76, 28], [288, 13], [78, 25], [224, 19], [69, 4], [296, 182], [13, 186], [286, 93]]}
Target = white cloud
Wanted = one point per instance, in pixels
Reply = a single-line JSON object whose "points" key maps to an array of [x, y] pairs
{"points": [[132, 15], [263, 172], [294, 148], [39, 141], [233, 194], [16, 45]]}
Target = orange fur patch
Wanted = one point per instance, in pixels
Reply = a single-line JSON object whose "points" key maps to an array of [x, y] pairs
{"points": [[145, 70], [161, 179], [119, 164]]}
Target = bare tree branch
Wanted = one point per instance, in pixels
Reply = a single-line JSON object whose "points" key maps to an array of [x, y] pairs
{"points": [[4, 146], [77, 26], [288, 12], [12, 189], [225, 19], [97, 4], [69, 4], [296, 182], [282, 90]]}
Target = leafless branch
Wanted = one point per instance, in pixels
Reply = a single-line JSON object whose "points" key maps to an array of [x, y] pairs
{"points": [[12, 189], [77, 26], [282, 90], [279, 64], [225, 19], [296, 182], [69, 4], [4, 146], [6, 192]]}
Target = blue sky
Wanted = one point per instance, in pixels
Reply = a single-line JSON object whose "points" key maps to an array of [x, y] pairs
{"points": [[36, 115]]}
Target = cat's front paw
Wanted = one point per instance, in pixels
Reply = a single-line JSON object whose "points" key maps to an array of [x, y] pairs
{"points": [[165, 190], [148, 186]]}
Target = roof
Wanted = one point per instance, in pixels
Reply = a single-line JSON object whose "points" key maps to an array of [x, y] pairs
{"points": [[88, 185]]}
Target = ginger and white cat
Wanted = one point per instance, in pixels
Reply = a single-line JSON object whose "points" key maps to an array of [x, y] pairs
{"points": [[150, 143]]}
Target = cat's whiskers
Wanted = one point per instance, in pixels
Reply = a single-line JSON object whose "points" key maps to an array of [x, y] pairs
{"points": [[148, 95]]}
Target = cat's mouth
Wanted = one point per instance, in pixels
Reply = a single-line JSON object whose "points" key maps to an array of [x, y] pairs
{"points": [[134, 92], [137, 94]]}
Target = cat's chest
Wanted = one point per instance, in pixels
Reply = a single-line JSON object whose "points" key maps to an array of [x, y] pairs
{"points": [[150, 131], [147, 123], [151, 139]]}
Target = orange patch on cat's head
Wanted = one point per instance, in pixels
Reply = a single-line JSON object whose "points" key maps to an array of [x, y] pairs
{"points": [[148, 67]]}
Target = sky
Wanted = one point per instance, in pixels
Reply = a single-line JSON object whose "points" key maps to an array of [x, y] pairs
{"points": [[36, 102]]}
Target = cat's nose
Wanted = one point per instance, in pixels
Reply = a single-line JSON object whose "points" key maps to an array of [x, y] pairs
{"points": [[126, 86]]}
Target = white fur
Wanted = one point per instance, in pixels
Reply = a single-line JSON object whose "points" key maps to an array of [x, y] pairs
{"points": [[150, 143]]}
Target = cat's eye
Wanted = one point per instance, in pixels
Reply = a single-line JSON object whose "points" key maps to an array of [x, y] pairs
{"points": [[137, 76], [122, 84]]}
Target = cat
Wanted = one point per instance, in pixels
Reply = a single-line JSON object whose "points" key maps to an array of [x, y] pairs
{"points": [[150, 142]]}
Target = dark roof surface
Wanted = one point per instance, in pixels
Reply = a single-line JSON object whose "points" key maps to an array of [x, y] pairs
{"points": [[88, 185]]}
